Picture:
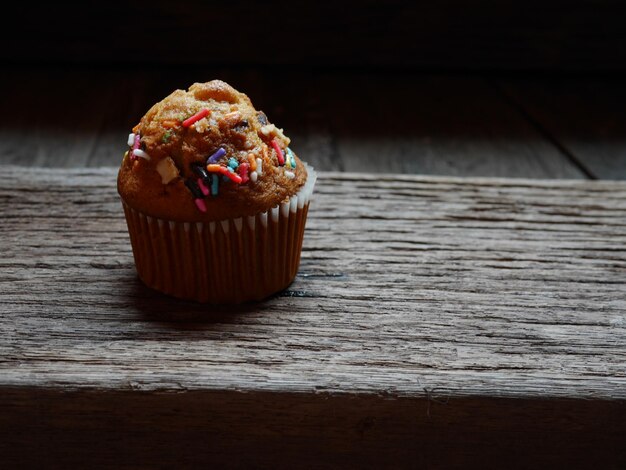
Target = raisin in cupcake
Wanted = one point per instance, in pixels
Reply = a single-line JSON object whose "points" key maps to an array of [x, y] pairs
{"points": [[215, 199]]}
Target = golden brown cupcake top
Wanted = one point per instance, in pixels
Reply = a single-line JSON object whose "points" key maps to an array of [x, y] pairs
{"points": [[206, 154]]}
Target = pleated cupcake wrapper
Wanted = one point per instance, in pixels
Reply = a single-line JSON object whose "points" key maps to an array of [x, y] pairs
{"points": [[229, 261]]}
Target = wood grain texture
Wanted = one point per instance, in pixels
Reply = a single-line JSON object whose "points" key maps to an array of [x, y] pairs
{"points": [[433, 124], [587, 116], [434, 322], [52, 117]]}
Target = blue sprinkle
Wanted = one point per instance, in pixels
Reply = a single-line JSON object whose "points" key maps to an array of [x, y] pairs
{"points": [[291, 157], [215, 183], [216, 156], [233, 163]]}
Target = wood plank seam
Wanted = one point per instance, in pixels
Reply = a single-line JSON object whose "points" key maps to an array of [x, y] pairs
{"points": [[542, 129]]}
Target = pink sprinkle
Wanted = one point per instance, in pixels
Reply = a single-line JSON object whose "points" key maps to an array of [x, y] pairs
{"points": [[279, 152], [200, 204], [203, 187], [135, 147], [243, 172]]}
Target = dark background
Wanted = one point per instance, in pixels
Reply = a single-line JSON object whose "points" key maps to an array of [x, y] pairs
{"points": [[450, 35], [489, 88]]}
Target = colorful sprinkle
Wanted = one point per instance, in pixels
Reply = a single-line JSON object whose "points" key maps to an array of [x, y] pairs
{"points": [[203, 187], [226, 171], [167, 136], [259, 166], [194, 188], [243, 172], [253, 176], [170, 123], [141, 154], [197, 194], [279, 152], [131, 139], [291, 158], [136, 145], [214, 168], [290, 174], [233, 176], [200, 204], [216, 156], [196, 117], [252, 161], [233, 163], [215, 184]]}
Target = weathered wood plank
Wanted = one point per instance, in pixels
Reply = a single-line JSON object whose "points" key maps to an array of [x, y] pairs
{"points": [[53, 117], [191, 429], [434, 320], [409, 123], [586, 116], [435, 125], [88, 114], [465, 279]]}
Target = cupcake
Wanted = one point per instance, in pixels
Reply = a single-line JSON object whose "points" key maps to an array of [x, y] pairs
{"points": [[215, 199]]}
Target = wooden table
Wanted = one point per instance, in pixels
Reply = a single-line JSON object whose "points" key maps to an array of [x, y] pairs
{"points": [[435, 322]]}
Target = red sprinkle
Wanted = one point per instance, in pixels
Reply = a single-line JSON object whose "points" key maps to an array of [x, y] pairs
{"points": [[196, 117], [233, 176], [279, 152], [214, 168], [243, 172], [203, 187]]}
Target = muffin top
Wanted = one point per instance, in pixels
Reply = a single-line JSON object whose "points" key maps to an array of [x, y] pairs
{"points": [[206, 154]]}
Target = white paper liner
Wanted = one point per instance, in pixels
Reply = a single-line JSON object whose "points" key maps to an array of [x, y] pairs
{"points": [[229, 261]]}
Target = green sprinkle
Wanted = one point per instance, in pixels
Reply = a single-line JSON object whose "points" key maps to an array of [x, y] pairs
{"points": [[166, 137]]}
